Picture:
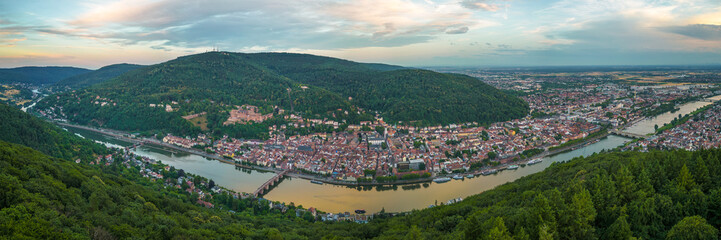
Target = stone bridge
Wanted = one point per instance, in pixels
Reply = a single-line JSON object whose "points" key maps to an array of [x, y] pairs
{"points": [[264, 188]]}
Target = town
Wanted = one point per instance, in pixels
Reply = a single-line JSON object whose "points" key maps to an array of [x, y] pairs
{"points": [[564, 110]]}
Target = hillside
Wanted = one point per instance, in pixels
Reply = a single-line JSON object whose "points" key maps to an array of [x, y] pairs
{"points": [[400, 94], [38, 75], [657, 195], [101, 75], [312, 86], [21, 128]]}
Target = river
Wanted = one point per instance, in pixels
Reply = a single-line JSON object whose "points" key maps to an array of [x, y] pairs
{"points": [[331, 198], [647, 126]]}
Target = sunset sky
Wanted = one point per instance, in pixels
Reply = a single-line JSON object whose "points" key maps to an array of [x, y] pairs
{"points": [[95, 33]]}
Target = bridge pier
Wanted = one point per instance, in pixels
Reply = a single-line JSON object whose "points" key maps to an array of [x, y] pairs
{"points": [[271, 182]]}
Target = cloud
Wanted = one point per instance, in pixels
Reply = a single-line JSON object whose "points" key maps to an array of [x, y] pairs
{"points": [[459, 30], [273, 24], [486, 5], [11, 42], [699, 31], [5, 22]]}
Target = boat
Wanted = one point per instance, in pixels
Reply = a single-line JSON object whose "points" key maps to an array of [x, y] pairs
{"points": [[513, 167], [316, 182], [441, 180], [534, 161], [489, 172], [470, 176], [360, 211], [457, 177]]}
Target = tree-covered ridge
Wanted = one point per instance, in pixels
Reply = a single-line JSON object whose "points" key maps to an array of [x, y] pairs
{"points": [[315, 87], [49, 198], [653, 195], [400, 94], [21, 128], [98, 76], [214, 83], [38, 75]]}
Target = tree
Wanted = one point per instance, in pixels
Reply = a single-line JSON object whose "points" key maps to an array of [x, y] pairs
{"points": [[702, 174], [581, 214], [274, 234], [380, 130], [498, 230], [492, 155], [211, 184], [521, 235], [542, 215], [625, 184], [544, 233], [414, 234], [685, 180], [620, 229], [692, 228]]}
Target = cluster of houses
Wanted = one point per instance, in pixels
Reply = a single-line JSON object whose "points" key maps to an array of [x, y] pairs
{"points": [[700, 132]]}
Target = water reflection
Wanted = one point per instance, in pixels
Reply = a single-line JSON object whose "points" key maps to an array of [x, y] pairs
{"points": [[648, 126]]}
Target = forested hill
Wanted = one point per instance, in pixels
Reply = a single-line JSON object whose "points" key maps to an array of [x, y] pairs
{"points": [[101, 75], [630, 195], [313, 86], [400, 94], [21, 128], [38, 75]]}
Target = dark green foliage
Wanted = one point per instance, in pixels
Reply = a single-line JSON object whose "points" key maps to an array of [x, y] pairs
{"points": [[692, 228], [409, 95], [38, 75], [21, 128], [604, 196], [101, 75]]}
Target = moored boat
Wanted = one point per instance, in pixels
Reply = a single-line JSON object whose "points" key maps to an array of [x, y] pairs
{"points": [[457, 177], [316, 182], [512, 167], [441, 180], [534, 161], [488, 172]]}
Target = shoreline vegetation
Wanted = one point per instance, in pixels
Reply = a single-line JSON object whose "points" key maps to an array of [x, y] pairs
{"points": [[678, 121]]}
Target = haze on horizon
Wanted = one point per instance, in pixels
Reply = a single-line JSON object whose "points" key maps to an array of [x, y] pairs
{"points": [[94, 33]]}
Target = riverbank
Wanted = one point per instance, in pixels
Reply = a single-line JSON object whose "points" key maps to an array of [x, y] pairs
{"points": [[682, 120], [123, 136], [126, 137]]}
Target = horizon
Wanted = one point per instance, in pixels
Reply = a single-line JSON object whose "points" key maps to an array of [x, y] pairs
{"points": [[414, 33], [490, 67]]}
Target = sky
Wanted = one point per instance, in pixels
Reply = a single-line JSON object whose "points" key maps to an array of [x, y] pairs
{"points": [[95, 33]]}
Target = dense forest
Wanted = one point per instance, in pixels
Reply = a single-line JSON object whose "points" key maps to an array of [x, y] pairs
{"points": [[21, 128], [400, 94], [38, 75], [316, 87], [101, 75], [615, 195]]}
